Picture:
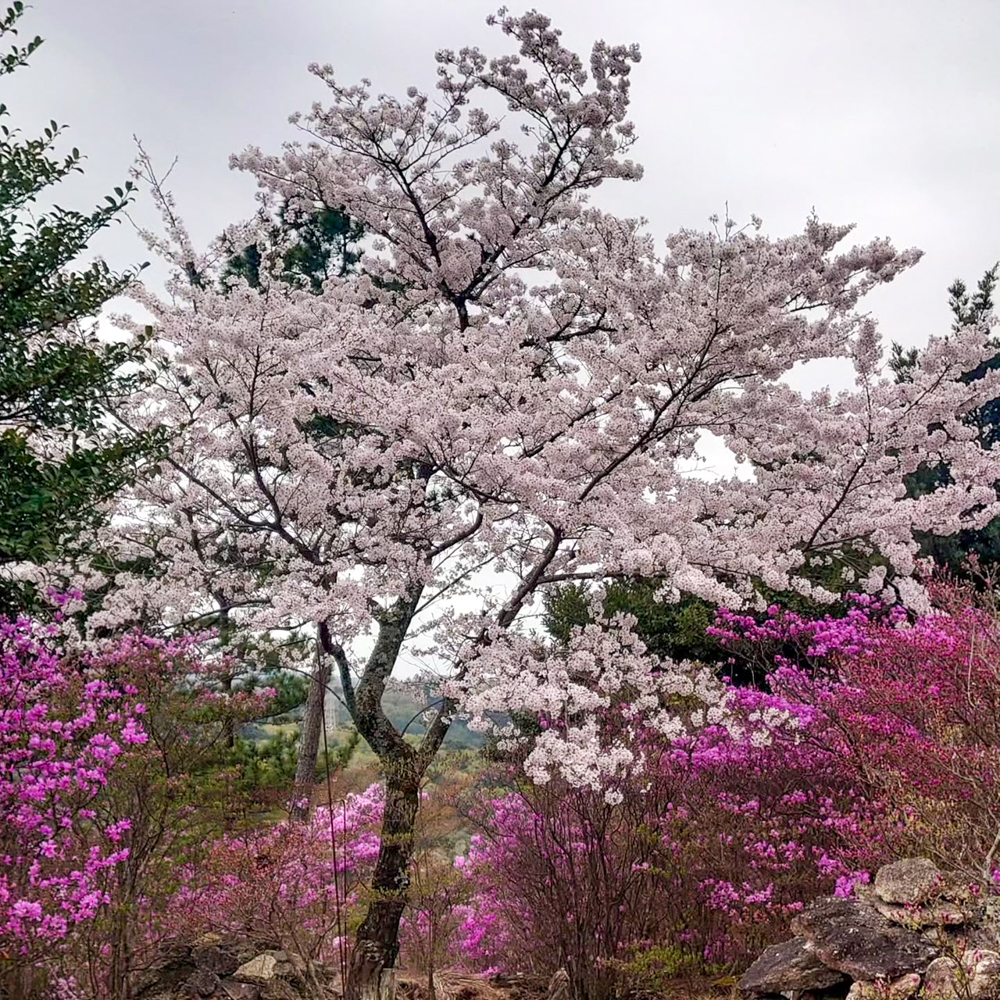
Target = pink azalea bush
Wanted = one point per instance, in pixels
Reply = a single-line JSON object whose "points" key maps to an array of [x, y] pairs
{"points": [[878, 737], [909, 711], [104, 786], [563, 877], [288, 885], [63, 732], [436, 911], [703, 864], [177, 791]]}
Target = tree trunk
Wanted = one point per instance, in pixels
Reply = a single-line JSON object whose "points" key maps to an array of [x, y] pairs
{"points": [[228, 723], [312, 730], [373, 973]]}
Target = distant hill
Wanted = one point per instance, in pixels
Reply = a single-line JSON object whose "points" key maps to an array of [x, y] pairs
{"points": [[403, 709]]}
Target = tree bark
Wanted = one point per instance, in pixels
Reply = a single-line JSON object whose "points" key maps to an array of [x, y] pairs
{"points": [[372, 973], [373, 960], [312, 730]]}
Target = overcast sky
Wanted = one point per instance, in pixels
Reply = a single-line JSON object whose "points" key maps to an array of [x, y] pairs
{"points": [[880, 112]]}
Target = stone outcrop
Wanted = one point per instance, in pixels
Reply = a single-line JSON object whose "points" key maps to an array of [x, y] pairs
{"points": [[852, 937], [975, 974], [915, 933], [896, 989], [913, 880], [218, 967], [261, 969], [789, 967]]}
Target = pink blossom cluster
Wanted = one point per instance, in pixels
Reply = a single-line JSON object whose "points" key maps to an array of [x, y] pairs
{"points": [[294, 883], [562, 876], [64, 727], [878, 736], [904, 706], [100, 750]]}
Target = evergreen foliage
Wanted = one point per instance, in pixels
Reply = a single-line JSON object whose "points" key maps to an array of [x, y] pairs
{"points": [[60, 459]]}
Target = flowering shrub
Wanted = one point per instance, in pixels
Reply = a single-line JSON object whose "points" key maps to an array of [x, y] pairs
{"points": [[437, 911], [563, 877], [177, 791], [878, 737], [694, 861], [64, 730], [289, 885], [108, 778], [907, 711]]}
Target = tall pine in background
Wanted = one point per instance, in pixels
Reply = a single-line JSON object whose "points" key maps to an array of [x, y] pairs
{"points": [[952, 552], [60, 458], [313, 247]]}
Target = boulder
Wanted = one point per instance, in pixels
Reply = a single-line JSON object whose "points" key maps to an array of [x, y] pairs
{"points": [[234, 990], [201, 983], [261, 969], [172, 970], [214, 959], [942, 980], [789, 966], [230, 967], [898, 989], [912, 880], [977, 975], [850, 937], [929, 915], [982, 970]]}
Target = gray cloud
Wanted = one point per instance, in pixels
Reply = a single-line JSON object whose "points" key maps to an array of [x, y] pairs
{"points": [[881, 112]]}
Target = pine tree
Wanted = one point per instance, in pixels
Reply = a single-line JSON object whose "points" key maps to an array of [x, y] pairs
{"points": [[60, 459], [952, 552], [309, 248]]}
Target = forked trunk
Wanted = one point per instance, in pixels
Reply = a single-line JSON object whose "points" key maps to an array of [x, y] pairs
{"points": [[372, 974]]}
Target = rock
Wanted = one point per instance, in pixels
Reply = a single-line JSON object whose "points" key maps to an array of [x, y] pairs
{"points": [[239, 991], [976, 976], [982, 959], [173, 968], [913, 880], [983, 936], [942, 979], [285, 963], [899, 989], [982, 969], [905, 986], [202, 983], [214, 959], [915, 917], [788, 966], [957, 888], [852, 938], [261, 969]]}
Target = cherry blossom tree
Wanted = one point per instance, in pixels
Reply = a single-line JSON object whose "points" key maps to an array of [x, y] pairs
{"points": [[510, 396], [970, 552]]}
